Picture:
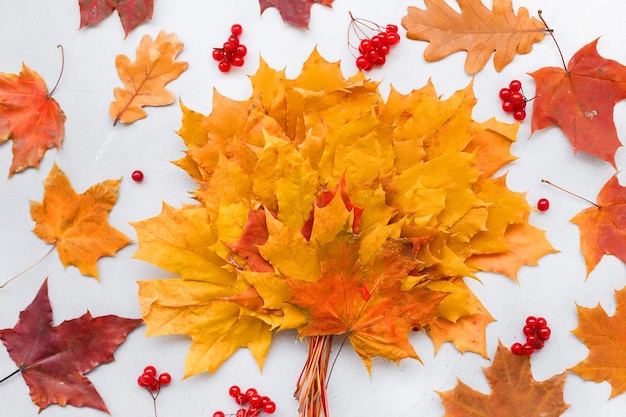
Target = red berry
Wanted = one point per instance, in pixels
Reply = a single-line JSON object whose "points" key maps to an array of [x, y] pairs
{"points": [[256, 400], [165, 378], [372, 56], [230, 46], [269, 407], [362, 63], [505, 93], [377, 42], [241, 51], [265, 399], [365, 46], [391, 28], [219, 414], [544, 333], [517, 349], [531, 321], [520, 105], [541, 322], [137, 176], [519, 115], [146, 379], [543, 204], [254, 411], [234, 391], [237, 61], [383, 50], [392, 38], [517, 97], [250, 392], [380, 60], [218, 54], [528, 349], [236, 29], [242, 412], [532, 339], [149, 370], [140, 381], [528, 330], [224, 66], [154, 386], [515, 85], [507, 106], [233, 39], [241, 399]]}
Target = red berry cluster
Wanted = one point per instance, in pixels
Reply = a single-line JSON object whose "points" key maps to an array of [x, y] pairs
{"points": [[231, 54], [256, 403], [537, 332], [543, 204], [513, 100], [151, 381], [374, 50]]}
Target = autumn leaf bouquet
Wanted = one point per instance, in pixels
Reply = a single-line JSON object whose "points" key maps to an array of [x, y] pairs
{"points": [[324, 208]]}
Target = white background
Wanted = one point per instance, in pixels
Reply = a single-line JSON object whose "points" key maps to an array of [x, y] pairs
{"points": [[93, 150]]}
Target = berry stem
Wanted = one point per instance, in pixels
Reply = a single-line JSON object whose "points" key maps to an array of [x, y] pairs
{"points": [[60, 73], [28, 269], [570, 193], [551, 32], [18, 370]]}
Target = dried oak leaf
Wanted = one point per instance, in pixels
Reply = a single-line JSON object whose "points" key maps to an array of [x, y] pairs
{"points": [[477, 30], [77, 224], [603, 226], [580, 101], [514, 392], [145, 79], [30, 117], [606, 339], [132, 12], [54, 360], [296, 12]]}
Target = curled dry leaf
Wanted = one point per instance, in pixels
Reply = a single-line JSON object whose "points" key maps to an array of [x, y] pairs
{"points": [[77, 224], [132, 12], [145, 79], [477, 30], [54, 360], [29, 117]]}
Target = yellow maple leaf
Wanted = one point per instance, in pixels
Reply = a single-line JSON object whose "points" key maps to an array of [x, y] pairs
{"points": [[77, 224], [145, 79]]}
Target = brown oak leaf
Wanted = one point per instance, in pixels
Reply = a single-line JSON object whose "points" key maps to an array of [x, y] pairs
{"points": [[54, 360], [30, 117], [580, 101], [477, 30], [606, 339], [145, 79], [296, 12], [132, 12], [514, 392], [77, 224]]}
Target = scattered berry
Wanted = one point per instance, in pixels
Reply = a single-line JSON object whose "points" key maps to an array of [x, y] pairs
{"points": [[537, 332], [137, 176], [374, 42], [543, 204], [256, 403], [153, 382], [232, 52]]}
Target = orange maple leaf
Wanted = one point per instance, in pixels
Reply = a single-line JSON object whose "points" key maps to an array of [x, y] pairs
{"points": [[30, 117], [76, 224], [606, 339], [477, 30], [145, 79], [603, 226], [514, 392], [580, 100]]}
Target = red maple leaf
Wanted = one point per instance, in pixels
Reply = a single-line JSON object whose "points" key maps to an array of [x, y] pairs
{"points": [[254, 234], [132, 12], [53, 360], [296, 12], [30, 117], [580, 101]]}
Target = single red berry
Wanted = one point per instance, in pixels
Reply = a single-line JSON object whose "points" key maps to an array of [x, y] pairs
{"points": [[236, 29], [234, 391], [515, 85], [372, 56], [528, 349], [165, 378], [517, 349], [543, 204], [137, 176], [392, 38], [532, 339], [233, 39], [377, 42], [250, 392], [218, 54], [544, 333], [150, 370], [255, 400], [362, 63], [531, 321], [237, 61], [541, 322], [391, 28], [241, 399], [224, 66], [140, 381], [383, 38], [270, 407], [365, 46], [528, 330], [241, 51], [383, 50], [229, 47], [146, 379], [265, 399], [254, 411], [516, 97], [154, 386], [242, 412], [519, 106], [519, 115], [219, 414], [380, 60], [505, 94], [507, 106], [538, 345]]}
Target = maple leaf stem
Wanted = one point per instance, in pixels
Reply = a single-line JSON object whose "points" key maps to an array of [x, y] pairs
{"points": [[332, 366], [60, 73], [551, 32], [29, 268], [570, 193], [18, 370]]}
